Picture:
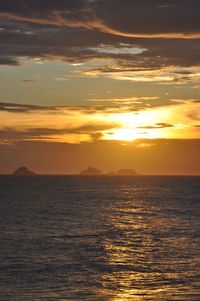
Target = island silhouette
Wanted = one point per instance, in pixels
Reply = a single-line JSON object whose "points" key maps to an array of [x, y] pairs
{"points": [[23, 171], [92, 171], [126, 172]]}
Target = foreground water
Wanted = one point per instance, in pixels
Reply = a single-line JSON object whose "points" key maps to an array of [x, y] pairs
{"points": [[101, 238]]}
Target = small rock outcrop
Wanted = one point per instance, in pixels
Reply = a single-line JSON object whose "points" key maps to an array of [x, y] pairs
{"points": [[23, 171], [126, 172], [91, 171], [111, 173]]}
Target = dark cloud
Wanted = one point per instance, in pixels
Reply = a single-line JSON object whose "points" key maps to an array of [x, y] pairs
{"points": [[78, 45], [75, 31], [9, 60], [157, 126], [150, 17], [93, 130], [105, 106], [138, 17], [23, 108], [44, 12], [28, 81], [71, 45], [164, 125]]}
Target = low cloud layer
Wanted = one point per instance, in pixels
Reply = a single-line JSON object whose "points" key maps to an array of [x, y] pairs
{"points": [[114, 119], [23, 108]]}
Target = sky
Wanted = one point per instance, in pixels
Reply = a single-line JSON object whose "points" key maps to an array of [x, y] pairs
{"points": [[108, 83]]}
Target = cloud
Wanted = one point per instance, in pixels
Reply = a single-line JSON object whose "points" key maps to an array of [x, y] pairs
{"points": [[46, 12], [80, 31], [24, 108], [132, 104], [82, 45], [99, 106], [89, 132], [156, 18], [160, 125], [164, 18], [117, 119], [124, 70], [28, 81]]}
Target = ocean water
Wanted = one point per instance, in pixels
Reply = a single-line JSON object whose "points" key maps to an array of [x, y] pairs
{"points": [[99, 238]]}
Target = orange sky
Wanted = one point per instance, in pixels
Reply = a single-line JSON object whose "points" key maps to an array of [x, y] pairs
{"points": [[78, 79], [169, 157]]}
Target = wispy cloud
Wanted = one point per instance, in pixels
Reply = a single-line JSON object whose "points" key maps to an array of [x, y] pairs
{"points": [[24, 108], [165, 75], [28, 81]]}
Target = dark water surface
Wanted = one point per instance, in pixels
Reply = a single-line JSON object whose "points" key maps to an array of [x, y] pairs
{"points": [[101, 238]]}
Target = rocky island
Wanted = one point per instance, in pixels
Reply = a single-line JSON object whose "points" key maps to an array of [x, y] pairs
{"points": [[91, 171], [23, 171], [123, 172], [126, 172]]}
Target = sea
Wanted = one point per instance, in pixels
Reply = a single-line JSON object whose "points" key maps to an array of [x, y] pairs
{"points": [[99, 238]]}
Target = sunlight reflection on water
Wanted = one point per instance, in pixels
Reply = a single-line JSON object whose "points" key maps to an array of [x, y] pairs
{"points": [[107, 239]]}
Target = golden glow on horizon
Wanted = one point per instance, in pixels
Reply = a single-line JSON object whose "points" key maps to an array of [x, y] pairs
{"points": [[77, 125]]}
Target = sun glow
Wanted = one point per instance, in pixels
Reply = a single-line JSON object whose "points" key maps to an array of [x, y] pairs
{"points": [[124, 134], [129, 134], [77, 124], [137, 125]]}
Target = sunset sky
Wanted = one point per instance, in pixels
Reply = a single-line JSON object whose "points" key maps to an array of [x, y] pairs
{"points": [[108, 83]]}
